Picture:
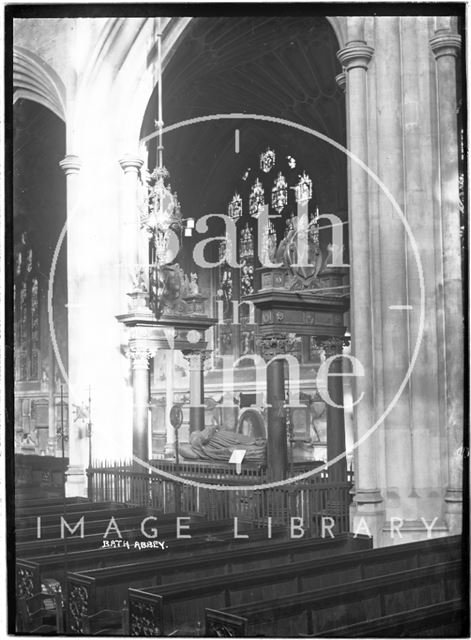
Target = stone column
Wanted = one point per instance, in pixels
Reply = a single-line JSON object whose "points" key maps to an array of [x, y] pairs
{"points": [[445, 46], [196, 360], [130, 236], [140, 354], [76, 479], [427, 389], [169, 391], [52, 436], [277, 445], [333, 348], [355, 57], [394, 270]]}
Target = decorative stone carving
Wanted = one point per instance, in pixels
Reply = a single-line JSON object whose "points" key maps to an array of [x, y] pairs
{"points": [[445, 43], [213, 443], [275, 344], [356, 54], [196, 359], [131, 164], [331, 345], [71, 164], [140, 352], [341, 81]]}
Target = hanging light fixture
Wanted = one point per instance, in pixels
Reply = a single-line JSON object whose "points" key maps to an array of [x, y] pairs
{"points": [[234, 209], [267, 160], [303, 190], [163, 210], [279, 193], [257, 199]]}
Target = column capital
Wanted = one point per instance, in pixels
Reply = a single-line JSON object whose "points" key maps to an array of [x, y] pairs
{"points": [[331, 345], [196, 359], [356, 54], [140, 353], [341, 80], [70, 164], [131, 163], [445, 43], [276, 344]]}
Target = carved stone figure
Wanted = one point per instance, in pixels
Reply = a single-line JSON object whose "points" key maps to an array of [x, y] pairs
{"points": [[138, 280], [217, 444], [194, 289]]}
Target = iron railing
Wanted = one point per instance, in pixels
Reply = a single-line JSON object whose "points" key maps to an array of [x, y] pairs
{"points": [[312, 500]]}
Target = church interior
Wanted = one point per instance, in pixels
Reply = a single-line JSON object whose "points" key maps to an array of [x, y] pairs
{"points": [[238, 335]]}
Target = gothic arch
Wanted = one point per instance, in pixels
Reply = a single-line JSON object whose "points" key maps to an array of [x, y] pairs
{"points": [[129, 47], [34, 80]]}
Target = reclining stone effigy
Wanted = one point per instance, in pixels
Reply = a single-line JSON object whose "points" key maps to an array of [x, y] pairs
{"points": [[218, 444]]}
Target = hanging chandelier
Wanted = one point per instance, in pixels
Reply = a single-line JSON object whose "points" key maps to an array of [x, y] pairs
{"points": [[163, 213]]}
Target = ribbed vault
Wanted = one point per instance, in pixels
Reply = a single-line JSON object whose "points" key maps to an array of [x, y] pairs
{"points": [[277, 66]]}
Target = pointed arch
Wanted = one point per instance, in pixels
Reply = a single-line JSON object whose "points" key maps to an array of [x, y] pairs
{"points": [[34, 79]]}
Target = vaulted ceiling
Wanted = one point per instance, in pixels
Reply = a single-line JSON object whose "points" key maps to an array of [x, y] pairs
{"points": [[282, 67]]}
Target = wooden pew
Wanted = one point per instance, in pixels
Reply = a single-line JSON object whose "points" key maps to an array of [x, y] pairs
{"points": [[167, 531], [444, 620], [31, 573], [92, 591], [323, 609], [38, 503], [97, 524], [73, 507], [34, 618], [37, 568], [25, 522], [183, 602]]}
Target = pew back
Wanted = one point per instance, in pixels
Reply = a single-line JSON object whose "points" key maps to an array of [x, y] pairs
{"points": [[184, 602], [359, 601], [108, 587]]}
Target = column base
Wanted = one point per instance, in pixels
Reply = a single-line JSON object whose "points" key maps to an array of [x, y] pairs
{"points": [[411, 531], [454, 511], [76, 482], [367, 515]]}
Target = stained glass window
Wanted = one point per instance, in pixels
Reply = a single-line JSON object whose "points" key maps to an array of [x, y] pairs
{"points": [[26, 314]]}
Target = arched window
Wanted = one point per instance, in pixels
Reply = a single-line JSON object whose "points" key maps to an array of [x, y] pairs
{"points": [[26, 314]]}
